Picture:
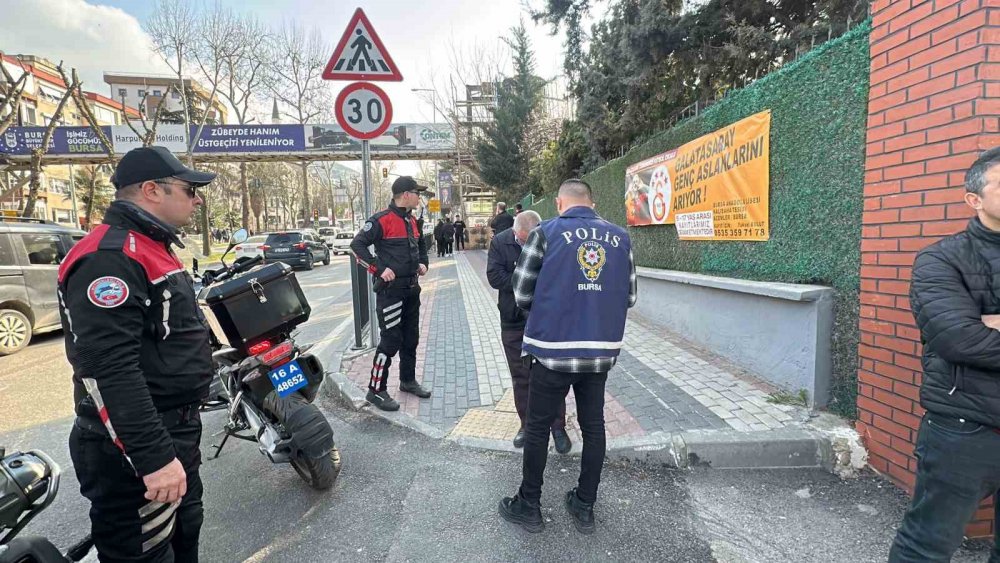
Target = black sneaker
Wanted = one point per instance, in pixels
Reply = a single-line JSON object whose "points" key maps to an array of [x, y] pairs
{"points": [[518, 511], [414, 388], [582, 513], [382, 400], [519, 438], [561, 438]]}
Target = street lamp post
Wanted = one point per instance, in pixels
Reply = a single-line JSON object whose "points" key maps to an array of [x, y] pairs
{"points": [[433, 92]]}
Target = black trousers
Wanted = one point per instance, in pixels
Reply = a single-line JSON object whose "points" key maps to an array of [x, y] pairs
{"points": [[398, 308], [548, 389], [460, 241], [439, 243], [449, 245], [124, 525], [958, 465], [520, 376]]}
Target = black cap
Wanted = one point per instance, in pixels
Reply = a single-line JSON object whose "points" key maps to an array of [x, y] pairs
{"points": [[153, 163], [406, 184]]}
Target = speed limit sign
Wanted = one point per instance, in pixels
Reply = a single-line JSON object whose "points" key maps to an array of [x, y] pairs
{"points": [[363, 110]]}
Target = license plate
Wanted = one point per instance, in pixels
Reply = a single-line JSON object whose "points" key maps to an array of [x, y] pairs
{"points": [[281, 250], [288, 378]]}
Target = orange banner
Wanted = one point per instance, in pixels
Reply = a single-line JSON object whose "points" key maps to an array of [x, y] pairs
{"points": [[713, 188]]}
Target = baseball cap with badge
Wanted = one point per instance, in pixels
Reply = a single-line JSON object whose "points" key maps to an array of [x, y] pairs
{"points": [[153, 163], [406, 184]]}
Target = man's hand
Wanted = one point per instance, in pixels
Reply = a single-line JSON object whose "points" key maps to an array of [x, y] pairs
{"points": [[168, 484], [422, 270], [992, 321], [388, 275]]}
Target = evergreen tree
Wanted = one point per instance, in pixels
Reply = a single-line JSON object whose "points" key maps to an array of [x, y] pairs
{"points": [[502, 154]]}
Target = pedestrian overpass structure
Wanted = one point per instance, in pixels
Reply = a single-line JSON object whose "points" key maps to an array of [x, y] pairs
{"points": [[231, 143]]}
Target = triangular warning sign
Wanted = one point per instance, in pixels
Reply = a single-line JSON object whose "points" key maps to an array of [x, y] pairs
{"points": [[360, 54]]}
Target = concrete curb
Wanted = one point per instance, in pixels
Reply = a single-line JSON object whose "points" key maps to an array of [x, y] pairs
{"points": [[719, 449]]}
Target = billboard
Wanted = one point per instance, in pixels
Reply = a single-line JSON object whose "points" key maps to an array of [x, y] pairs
{"points": [[230, 139], [716, 187]]}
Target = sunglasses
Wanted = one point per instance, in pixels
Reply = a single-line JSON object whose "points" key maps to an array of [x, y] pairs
{"points": [[188, 188]]}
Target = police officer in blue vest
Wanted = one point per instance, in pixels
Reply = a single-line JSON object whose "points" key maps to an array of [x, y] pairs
{"points": [[577, 277]]}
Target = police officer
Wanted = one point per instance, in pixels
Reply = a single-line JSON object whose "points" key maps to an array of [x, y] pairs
{"points": [[400, 258], [142, 364], [576, 276]]}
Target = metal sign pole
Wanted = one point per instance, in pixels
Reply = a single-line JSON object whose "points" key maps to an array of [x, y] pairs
{"points": [[366, 178]]}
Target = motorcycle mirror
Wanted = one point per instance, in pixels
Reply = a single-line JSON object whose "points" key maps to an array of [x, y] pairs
{"points": [[240, 236], [194, 265]]}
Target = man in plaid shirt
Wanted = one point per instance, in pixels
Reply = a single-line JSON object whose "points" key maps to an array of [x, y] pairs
{"points": [[576, 275]]}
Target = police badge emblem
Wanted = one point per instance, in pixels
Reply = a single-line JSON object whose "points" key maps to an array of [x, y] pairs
{"points": [[591, 257]]}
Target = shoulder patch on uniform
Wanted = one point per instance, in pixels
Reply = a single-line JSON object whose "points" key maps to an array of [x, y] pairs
{"points": [[368, 226], [107, 292]]}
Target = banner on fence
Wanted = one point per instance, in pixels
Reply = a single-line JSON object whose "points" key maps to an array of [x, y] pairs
{"points": [[714, 188]]}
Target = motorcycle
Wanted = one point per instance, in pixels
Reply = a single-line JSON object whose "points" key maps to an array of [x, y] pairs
{"points": [[29, 482], [264, 380]]}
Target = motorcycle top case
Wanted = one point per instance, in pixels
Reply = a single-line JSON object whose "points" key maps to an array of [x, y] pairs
{"points": [[261, 303]]}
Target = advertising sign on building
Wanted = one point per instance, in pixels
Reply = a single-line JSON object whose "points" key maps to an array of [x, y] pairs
{"points": [[716, 187]]}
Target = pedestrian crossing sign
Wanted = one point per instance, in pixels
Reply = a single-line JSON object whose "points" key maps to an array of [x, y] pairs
{"points": [[360, 54]]}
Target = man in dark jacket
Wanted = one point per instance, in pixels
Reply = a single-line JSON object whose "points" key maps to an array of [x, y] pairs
{"points": [[955, 298], [448, 233], [505, 249], [439, 237], [142, 363], [502, 221], [400, 259], [459, 233]]}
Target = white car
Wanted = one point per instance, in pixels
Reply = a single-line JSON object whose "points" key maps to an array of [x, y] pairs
{"points": [[250, 248], [342, 242], [328, 234]]}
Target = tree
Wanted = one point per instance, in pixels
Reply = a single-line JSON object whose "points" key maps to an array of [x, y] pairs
{"points": [[94, 192], [297, 68], [233, 52], [35, 179], [503, 155], [174, 29], [11, 91]]}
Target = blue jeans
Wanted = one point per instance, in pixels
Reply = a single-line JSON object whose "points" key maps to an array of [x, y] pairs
{"points": [[958, 465]]}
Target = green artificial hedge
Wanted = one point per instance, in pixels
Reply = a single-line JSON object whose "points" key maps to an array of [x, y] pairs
{"points": [[819, 106]]}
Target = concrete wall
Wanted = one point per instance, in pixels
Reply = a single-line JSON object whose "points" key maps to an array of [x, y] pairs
{"points": [[779, 331]]}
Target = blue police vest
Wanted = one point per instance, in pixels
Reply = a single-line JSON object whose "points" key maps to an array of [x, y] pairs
{"points": [[581, 297]]}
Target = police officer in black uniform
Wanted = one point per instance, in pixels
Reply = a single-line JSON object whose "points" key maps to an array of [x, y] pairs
{"points": [[400, 258], [142, 363]]}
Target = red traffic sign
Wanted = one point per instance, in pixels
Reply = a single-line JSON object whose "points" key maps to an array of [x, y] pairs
{"points": [[363, 110], [360, 54]]}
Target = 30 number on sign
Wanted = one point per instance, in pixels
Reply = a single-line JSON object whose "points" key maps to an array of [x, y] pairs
{"points": [[363, 110]]}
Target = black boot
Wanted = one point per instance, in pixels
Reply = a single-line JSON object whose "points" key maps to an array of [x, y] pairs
{"points": [[561, 438], [518, 511], [382, 400], [414, 388], [519, 438], [582, 513]]}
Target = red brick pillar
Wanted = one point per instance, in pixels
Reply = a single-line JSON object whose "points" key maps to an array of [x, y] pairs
{"points": [[933, 107]]}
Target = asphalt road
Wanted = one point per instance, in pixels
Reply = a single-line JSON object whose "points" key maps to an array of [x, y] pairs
{"points": [[405, 497]]}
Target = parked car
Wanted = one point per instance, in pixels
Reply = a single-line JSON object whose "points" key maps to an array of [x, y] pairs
{"points": [[342, 242], [329, 234], [30, 253], [302, 247], [250, 248]]}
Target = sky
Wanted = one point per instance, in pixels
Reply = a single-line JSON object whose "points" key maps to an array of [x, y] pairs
{"points": [[106, 35]]}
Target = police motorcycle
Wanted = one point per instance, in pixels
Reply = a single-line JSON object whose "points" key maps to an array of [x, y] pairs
{"points": [[29, 482], [263, 379]]}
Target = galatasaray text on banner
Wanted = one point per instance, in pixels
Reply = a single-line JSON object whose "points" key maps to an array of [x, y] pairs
{"points": [[714, 188]]}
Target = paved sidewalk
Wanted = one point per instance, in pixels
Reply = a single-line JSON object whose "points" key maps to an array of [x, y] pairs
{"points": [[663, 396]]}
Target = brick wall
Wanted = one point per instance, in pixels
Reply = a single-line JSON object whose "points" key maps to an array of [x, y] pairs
{"points": [[933, 107]]}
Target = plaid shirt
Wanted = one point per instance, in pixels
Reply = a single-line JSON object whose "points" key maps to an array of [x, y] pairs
{"points": [[524, 280]]}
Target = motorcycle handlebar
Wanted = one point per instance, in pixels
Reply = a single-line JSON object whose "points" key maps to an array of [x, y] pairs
{"points": [[238, 268]]}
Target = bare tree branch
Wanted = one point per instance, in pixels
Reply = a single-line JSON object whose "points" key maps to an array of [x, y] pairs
{"points": [[37, 154]]}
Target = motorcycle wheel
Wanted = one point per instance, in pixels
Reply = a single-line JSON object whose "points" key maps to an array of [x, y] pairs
{"points": [[321, 473], [318, 473]]}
